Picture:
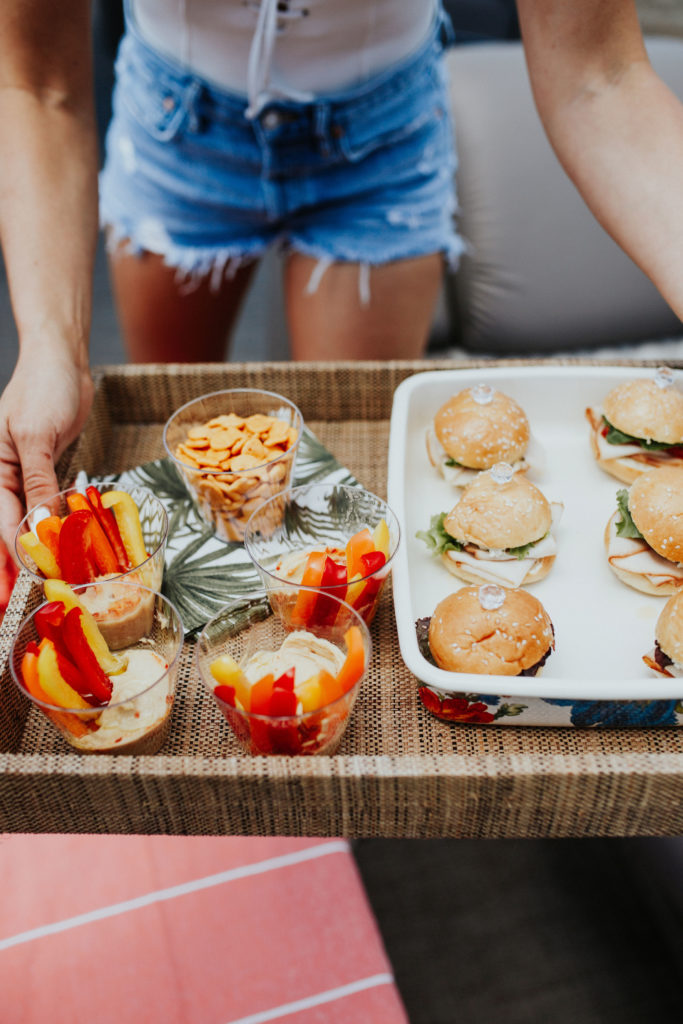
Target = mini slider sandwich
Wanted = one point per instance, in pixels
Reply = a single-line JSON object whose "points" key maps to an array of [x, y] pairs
{"points": [[644, 537], [667, 657], [475, 429], [491, 631], [639, 427], [498, 532]]}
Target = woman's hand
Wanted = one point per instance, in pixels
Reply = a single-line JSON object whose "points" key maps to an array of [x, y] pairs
{"points": [[42, 410]]}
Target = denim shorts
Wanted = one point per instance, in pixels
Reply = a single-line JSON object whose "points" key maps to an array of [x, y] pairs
{"points": [[365, 176]]}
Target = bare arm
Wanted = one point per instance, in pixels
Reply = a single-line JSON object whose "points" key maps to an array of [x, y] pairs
{"points": [[615, 126], [48, 229]]}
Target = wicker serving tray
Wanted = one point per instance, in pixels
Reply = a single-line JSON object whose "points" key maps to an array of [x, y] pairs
{"points": [[399, 770]]}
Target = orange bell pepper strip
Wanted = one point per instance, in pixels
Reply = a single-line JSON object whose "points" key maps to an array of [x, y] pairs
{"points": [[29, 674], [312, 577], [48, 533], [261, 692], [107, 521], [354, 663], [360, 544]]}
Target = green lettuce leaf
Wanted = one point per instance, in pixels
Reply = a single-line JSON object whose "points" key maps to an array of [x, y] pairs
{"points": [[614, 436], [437, 537], [625, 525]]}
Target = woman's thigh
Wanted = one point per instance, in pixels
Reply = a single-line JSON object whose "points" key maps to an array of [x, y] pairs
{"points": [[358, 311]]}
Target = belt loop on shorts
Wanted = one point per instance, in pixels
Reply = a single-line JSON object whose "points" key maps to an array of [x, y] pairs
{"points": [[321, 122], [190, 105]]}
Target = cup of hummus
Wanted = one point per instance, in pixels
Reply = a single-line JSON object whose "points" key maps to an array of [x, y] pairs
{"points": [[234, 449], [68, 537], [337, 538], [284, 690], [122, 704]]}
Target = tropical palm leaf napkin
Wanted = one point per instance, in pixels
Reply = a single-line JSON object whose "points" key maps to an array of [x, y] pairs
{"points": [[202, 573]]}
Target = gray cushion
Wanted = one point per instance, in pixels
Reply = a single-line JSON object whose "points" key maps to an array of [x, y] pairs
{"points": [[541, 274]]}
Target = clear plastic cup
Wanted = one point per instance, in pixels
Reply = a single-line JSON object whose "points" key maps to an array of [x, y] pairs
{"points": [[243, 630], [284, 530], [145, 631], [225, 496], [153, 520]]}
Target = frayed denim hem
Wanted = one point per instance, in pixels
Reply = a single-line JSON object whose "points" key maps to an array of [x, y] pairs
{"points": [[193, 265], [455, 248]]}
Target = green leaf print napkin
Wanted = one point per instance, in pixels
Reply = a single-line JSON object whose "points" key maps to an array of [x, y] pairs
{"points": [[202, 573]]}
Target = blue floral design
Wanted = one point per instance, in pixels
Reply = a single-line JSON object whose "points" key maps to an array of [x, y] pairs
{"points": [[642, 713]]}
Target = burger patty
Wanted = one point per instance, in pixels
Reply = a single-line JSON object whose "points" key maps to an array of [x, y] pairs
{"points": [[661, 658]]}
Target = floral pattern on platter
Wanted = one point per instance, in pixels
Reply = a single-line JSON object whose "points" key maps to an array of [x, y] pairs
{"points": [[485, 709]]}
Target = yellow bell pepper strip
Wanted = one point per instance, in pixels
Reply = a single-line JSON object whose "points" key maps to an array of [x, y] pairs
{"points": [[48, 533], [29, 675], [52, 681], [354, 663], [128, 522], [58, 590], [261, 692], [381, 538], [41, 555], [107, 521], [75, 640], [227, 673], [360, 544], [310, 693], [76, 556], [312, 577], [317, 691]]}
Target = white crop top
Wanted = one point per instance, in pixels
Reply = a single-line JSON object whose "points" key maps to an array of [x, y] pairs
{"points": [[283, 49]]}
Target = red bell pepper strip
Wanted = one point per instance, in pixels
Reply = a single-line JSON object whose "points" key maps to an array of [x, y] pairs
{"points": [[48, 531], [48, 620], [285, 681], [102, 552], [326, 608], [75, 548], [282, 703], [226, 694], [96, 680], [107, 521], [364, 591]]}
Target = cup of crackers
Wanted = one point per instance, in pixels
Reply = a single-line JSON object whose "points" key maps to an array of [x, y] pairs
{"points": [[234, 449]]}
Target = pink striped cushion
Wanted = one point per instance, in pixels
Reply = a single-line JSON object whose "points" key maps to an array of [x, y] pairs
{"points": [[175, 930]]}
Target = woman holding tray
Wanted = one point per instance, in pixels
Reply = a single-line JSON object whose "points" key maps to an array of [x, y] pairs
{"points": [[316, 125]]}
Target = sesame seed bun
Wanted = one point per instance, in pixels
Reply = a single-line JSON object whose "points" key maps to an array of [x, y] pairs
{"points": [[669, 628], [655, 502], [465, 637], [643, 409], [499, 515], [477, 435]]}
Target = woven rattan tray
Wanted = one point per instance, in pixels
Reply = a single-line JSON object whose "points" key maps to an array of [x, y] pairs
{"points": [[399, 770]]}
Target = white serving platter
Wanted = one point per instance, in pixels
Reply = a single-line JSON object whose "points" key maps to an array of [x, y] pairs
{"points": [[602, 627]]}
